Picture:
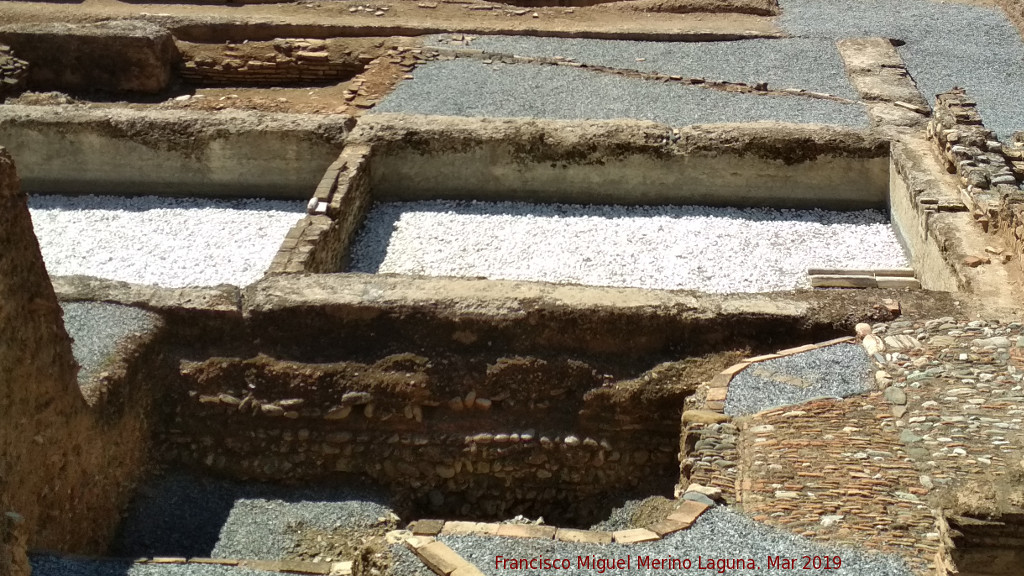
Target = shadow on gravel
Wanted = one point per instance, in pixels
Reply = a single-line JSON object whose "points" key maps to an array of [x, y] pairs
{"points": [[191, 516]]}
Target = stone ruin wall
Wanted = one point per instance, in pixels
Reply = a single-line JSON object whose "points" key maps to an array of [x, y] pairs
{"points": [[283, 62], [12, 73], [65, 471], [989, 171], [473, 452]]}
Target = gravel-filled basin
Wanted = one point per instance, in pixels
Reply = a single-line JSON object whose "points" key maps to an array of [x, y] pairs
{"points": [[171, 242], [709, 249]]}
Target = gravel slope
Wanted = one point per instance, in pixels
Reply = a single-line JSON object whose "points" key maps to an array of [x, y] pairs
{"points": [[97, 329], [656, 247], [182, 515], [835, 371], [809, 63], [947, 44], [719, 533], [467, 87], [171, 242]]}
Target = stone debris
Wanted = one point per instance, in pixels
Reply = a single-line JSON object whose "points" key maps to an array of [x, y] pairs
{"points": [[13, 74]]}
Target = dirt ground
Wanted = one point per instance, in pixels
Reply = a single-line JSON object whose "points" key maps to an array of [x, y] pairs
{"points": [[314, 545], [670, 17]]}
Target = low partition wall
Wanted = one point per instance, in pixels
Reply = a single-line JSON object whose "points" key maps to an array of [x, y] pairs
{"points": [[624, 162], [407, 158], [79, 150], [470, 435]]}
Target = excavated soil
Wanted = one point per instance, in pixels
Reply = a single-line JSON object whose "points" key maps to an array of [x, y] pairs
{"points": [[450, 15], [563, 386]]}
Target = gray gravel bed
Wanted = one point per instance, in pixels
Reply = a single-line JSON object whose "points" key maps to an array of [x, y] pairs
{"points": [[710, 249], [719, 533], [809, 63], [182, 515], [947, 44], [45, 565], [97, 329], [171, 242], [621, 516], [834, 371], [405, 563], [468, 87]]}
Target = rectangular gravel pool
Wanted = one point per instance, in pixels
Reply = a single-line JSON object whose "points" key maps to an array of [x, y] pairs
{"points": [[709, 249], [170, 242]]}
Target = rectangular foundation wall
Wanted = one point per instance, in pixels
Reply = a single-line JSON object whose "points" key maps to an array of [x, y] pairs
{"points": [[619, 162], [76, 151], [494, 172]]}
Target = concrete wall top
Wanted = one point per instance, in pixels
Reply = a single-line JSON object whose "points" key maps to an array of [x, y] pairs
{"points": [[628, 162], [78, 150]]}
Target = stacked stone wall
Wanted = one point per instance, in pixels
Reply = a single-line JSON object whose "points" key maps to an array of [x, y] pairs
{"points": [[988, 170], [533, 437], [319, 243], [282, 62], [12, 73]]}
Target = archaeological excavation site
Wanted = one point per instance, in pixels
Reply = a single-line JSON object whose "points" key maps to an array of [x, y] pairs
{"points": [[536, 288]]}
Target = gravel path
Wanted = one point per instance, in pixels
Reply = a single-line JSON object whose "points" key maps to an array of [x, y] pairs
{"points": [[809, 63], [947, 44], [656, 247], [467, 87], [43, 565], [97, 329], [171, 242], [187, 516], [835, 371], [719, 533]]}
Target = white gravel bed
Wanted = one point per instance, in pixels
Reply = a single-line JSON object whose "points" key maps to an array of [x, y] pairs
{"points": [[468, 87], [170, 242], [718, 534], [834, 371], [709, 249]]}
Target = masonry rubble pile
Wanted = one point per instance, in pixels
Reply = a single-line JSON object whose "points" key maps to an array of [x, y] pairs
{"points": [[989, 171], [291, 61], [501, 464], [709, 455], [12, 73]]}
